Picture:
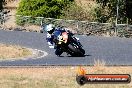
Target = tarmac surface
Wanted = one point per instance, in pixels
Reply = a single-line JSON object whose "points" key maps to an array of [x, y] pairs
{"points": [[111, 50]]}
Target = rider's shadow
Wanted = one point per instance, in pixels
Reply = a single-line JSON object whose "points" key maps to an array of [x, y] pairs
{"points": [[80, 56], [86, 55]]}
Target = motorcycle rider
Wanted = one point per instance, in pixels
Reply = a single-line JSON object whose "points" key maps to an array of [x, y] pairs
{"points": [[50, 28]]}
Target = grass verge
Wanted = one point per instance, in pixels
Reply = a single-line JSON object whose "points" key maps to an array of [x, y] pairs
{"points": [[12, 51], [57, 77]]}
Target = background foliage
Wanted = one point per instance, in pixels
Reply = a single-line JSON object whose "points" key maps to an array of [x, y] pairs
{"points": [[107, 11], [103, 11], [78, 12], [42, 8], [1, 4]]}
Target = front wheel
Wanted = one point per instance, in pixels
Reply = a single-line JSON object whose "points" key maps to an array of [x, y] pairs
{"points": [[58, 52]]}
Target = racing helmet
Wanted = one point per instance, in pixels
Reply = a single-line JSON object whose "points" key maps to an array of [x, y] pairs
{"points": [[50, 28]]}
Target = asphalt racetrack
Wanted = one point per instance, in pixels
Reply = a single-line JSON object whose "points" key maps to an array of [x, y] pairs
{"points": [[111, 50]]}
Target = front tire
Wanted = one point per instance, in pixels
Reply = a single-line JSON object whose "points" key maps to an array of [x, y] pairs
{"points": [[58, 52]]}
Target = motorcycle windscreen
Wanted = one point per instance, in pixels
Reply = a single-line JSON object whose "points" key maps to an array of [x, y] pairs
{"points": [[65, 36], [57, 33]]}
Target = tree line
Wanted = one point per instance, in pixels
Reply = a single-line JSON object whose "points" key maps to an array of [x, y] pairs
{"points": [[105, 11], [1, 4]]}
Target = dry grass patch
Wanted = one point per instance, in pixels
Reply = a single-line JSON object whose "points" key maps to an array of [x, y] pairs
{"points": [[86, 4], [10, 51], [32, 28], [59, 77]]}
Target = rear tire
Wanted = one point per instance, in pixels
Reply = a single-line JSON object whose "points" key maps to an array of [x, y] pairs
{"points": [[82, 50], [76, 51], [72, 50]]}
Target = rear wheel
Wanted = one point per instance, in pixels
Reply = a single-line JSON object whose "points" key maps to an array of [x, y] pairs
{"points": [[75, 51], [72, 50], [82, 50]]}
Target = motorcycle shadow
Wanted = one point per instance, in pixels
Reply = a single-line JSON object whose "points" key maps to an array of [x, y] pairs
{"points": [[75, 56]]}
